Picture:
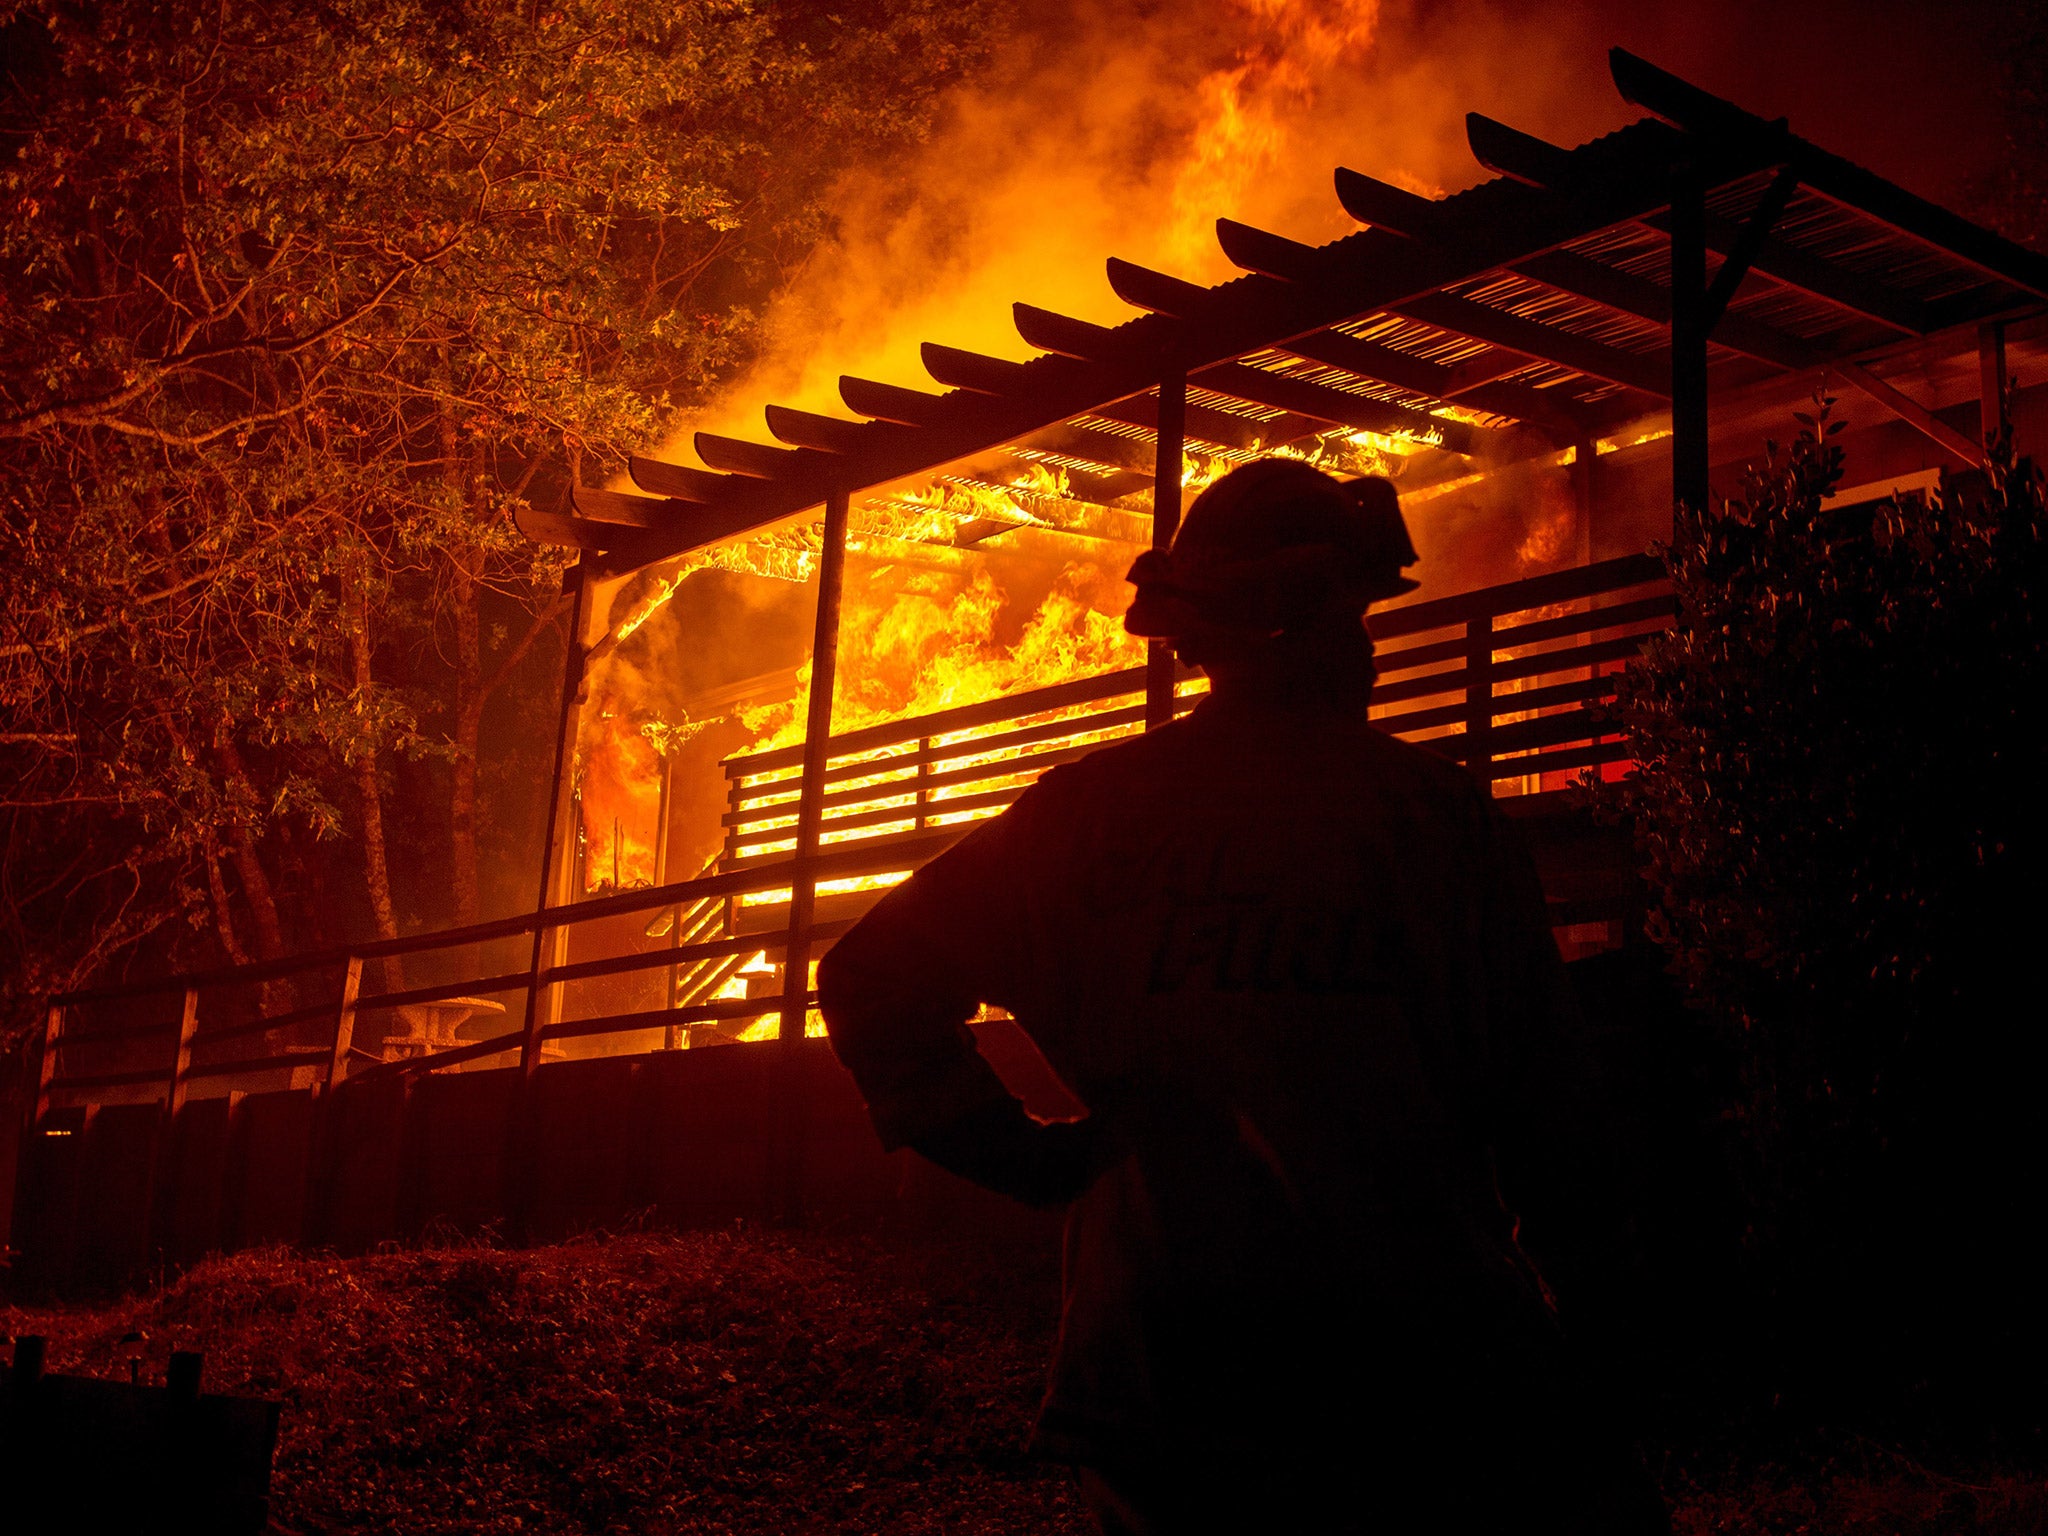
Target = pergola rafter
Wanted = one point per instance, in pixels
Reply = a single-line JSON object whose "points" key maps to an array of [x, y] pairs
{"points": [[1556, 276], [1578, 291]]}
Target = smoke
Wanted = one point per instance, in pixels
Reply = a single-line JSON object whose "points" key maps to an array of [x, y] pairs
{"points": [[1110, 129], [1122, 130]]}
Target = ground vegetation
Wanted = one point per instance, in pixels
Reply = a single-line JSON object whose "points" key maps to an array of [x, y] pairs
{"points": [[771, 1382]]}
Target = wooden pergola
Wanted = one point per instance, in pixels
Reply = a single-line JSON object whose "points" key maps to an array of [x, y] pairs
{"points": [[1699, 251]]}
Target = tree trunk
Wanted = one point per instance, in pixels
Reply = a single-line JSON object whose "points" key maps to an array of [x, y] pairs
{"points": [[469, 714], [469, 685], [376, 866], [248, 864], [223, 917]]}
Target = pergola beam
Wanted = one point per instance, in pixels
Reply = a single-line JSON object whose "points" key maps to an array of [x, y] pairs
{"points": [[1627, 294], [678, 482], [758, 461], [1819, 279], [619, 508], [892, 402], [1736, 263], [827, 434], [1842, 182], [1538, 163], [1257, 250], [1913, 413]]}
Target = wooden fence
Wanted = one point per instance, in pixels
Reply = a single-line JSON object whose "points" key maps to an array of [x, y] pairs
{"points": [[1499, 679]]}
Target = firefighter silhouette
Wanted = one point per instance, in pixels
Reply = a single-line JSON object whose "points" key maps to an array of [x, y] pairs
{"points": [[1303, 980]]}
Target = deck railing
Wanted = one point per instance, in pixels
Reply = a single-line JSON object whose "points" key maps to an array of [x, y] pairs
{"points": [[1499, 679]]}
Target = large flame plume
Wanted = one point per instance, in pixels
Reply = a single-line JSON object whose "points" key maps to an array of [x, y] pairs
{"points": [[1114, 135]]}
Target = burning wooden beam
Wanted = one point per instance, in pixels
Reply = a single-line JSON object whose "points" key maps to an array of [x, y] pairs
{"points": [[827, 434], [1062, 334], [619, 508], [757, 461], [892, 402], [677, 481]]}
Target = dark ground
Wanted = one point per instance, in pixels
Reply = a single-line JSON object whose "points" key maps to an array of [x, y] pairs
{"points": [[766, 1382]]}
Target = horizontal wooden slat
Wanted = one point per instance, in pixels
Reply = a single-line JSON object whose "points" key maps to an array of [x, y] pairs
{"points": [[312, 1058], [1557, 762], [455, 1056], [658, 1018], [896, 774], [1517, 597], [1023, 762], [1621, 615], [1084, 690], [685, 954], [87, 1037], [1426, 686], [1410, 721], [730, 882], [889, 815], [111, 1080], [1619, 649], [1577, 691], [1547, 731], [508, 981], [908, 763], [872, 856]]}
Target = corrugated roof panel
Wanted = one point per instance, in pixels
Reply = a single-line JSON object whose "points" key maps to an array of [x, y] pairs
{"points": [[1530, 300]]}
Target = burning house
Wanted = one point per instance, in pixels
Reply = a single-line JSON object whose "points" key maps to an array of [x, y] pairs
{"points": [[1542, 363]]}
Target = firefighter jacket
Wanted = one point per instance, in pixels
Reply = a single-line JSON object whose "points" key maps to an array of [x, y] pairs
{"points": [[1302, 975]]}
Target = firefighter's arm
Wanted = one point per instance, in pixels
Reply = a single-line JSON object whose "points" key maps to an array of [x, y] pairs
{"points": [[897, 993]]}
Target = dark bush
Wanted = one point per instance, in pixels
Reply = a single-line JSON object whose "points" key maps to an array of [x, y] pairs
{"points": [[1838, 806]]}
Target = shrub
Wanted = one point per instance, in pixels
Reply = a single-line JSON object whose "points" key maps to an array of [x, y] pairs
{"points": [[1837, 805]]}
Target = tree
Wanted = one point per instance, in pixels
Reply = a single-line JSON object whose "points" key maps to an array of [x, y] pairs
{"points": [[302, 302], [1838, 804]]}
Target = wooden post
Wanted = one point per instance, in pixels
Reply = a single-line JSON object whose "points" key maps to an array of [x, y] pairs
{"points": [[181, 1063], [1689, 448], [924, 777], [1991, 382], [344, 1022], [1585, 465], [542, 997], [46, 1065], [1479, 700], [1166, 472], [662, 813], [810, 813]]}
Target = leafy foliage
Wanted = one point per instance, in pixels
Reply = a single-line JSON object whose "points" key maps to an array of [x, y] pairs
{"points": [[299, 304], [1838, 807]]}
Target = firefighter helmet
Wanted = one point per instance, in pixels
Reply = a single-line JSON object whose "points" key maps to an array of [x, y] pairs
{"points": [[1273, 546]]}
